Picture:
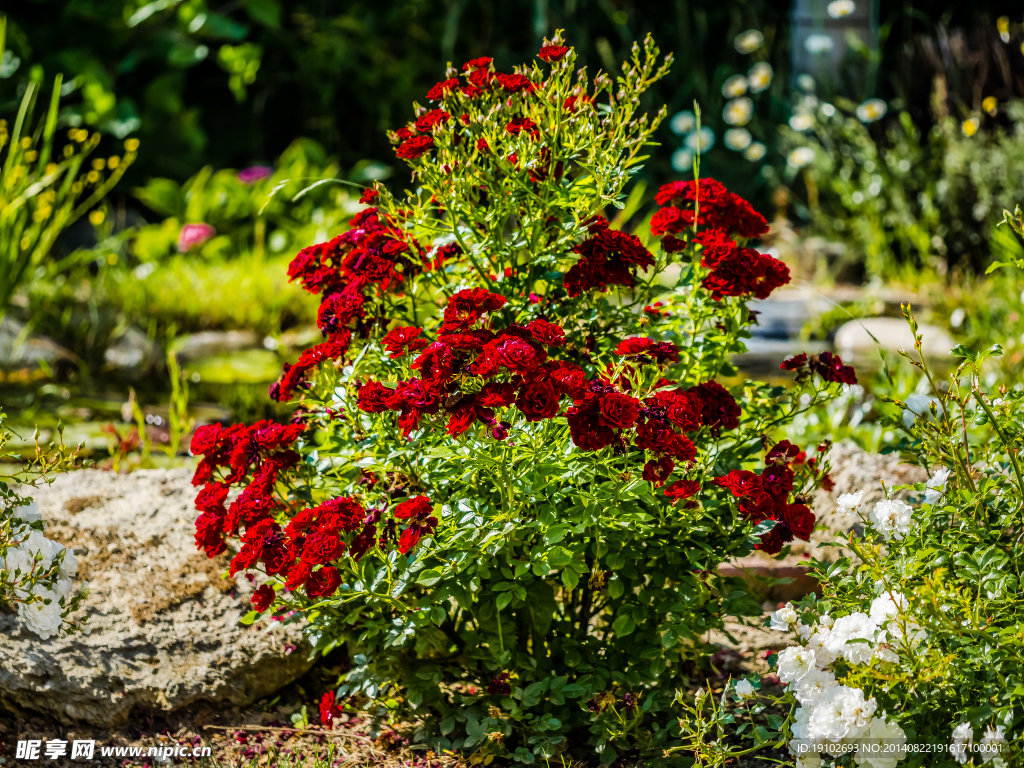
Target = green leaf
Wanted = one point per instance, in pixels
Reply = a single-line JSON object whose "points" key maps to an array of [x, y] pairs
{"points": [[504, 599], [559, 557], [624, 626], [249, 618], [429, 577], [570, 578]]}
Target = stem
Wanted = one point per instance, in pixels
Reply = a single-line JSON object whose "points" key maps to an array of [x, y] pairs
{"points": [[1002, 436]]}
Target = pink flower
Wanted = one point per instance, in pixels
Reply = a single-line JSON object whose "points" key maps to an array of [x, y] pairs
{"points": [[254, 173], [193, 235]]}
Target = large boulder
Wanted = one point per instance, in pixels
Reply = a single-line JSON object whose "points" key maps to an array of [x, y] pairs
{"points": [[858, 339], [165, 623]]}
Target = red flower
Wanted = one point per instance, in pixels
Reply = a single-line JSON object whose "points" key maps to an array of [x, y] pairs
{"points": [[657, 472], [322, 548], [374, 397], [323, 583], [746, 272], [496, 395], [607, 258], [830, 367], [211, 498], [329, 711], [800, 520], [519, 125], [719, 408], [515, 83], [442, 89], [570, 379], [262, 598], [716, 246], [369, 196], [517, 355], [467, 306], [671, 220], [414, 147], [546, 333], [538, 399], [681, 408], [550, 53], [794, 363], [481, 63], [718, 207], [635, 345], [741, 482], [403, 339], [784, 452], [682, 489], [618, 411], [777, 482], [478, 79], [426, 122], [209, 533], [418, 507], [585, 427], [482, 145], [500, 685]]}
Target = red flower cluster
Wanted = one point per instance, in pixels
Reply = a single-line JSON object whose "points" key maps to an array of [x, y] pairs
{"points": [[374, 255], [766, 497], [720, 214], [827, 365], [329, 710], [607, 257]]}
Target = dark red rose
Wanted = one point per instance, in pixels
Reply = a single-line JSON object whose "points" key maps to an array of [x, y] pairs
{"points": [[657, 472], [298, 575], [403, 339], [550, 53], [716, 246], [682, 489], [800, 520], [784, 452], [635, 345], [538, 399], [830, 367], [777, 481], [746, 272], [415, 147], [670, 220], [618, 411], [683, 409], [519, 125], [323, 583], [681, 447], [481, 63], [467, 306], [719, 407], [546, 333], [518, 356], [426, 122], [209, 533], [655, 435], [515, 83], [794, 363], [461, 419], [496, 395], [442, 89], [585, 427], [569, 378], [741, 482], [500, 685], [262, 598], [771, 542], [322, 548], [211, 498], [418, 507], [374, 397]]}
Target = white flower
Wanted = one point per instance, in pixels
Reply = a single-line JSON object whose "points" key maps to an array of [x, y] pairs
{"points": [[744, 689], [69, 565], [887, 605], [36, 543], [801, 122], [785, 618], [992, 744], [794, 663], [839, 8], [749, 41], [755, 151], [826, 621], [808, 760], [892, 518], [738, 111], [936, 486], [871, 110], [856, 626], [43, 619], [800, 157], [703, 141], [27, 513], [682, 160], [884, 733], [963, 740], [737, 139], [842, 712], [17, 560], [683, 122], [759, 77], [813, 686], [849, 503], [804, 631], [818, 642], [734, 86]]}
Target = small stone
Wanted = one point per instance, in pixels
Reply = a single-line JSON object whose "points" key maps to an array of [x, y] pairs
{"points": [[133, 351], [854, 339]]}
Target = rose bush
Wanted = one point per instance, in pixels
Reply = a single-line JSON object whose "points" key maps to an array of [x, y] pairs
{"points": [[914, 654], [512, 474]]}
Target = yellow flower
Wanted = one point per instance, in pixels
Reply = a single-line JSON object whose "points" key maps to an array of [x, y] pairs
{"points": [[749, 41], [96, 217], [970, 126], [989, 104]]}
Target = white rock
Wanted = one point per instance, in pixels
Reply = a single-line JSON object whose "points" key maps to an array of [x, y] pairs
{"points": [[165, 629]]}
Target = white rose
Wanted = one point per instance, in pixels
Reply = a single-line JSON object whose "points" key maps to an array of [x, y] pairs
{"points": [[993, 744], [37, 543], [68, 566], [17, 559], [936, 486], [745, 689], [808, 760], [892, 518], [890, 736], [842, 712], [849, 503], [784, 618], [818, 642], [887, 605], [826, 621], [963, 740], [856, 626], [794, 663], [28, 513], [45, 620], [813, 686]]}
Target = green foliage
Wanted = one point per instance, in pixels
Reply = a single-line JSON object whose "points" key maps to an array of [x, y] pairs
{"points": [[901, 202]]}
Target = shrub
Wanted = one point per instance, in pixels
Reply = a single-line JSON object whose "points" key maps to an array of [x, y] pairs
{"points": [[512, 475], [914, 651], [35, 572]]}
